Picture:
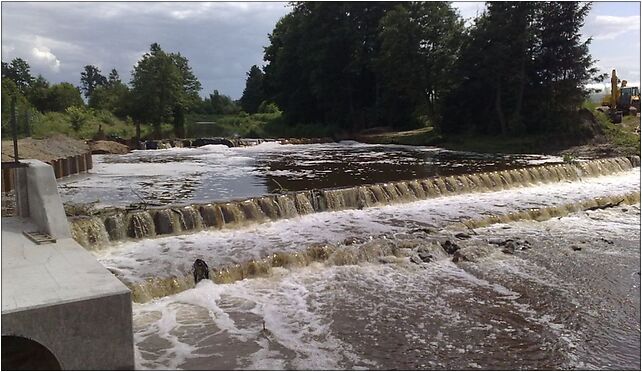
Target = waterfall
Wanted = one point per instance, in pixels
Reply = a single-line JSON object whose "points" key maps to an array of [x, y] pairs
{"points": [[90, 232], [212, 216], [232, 214], [115, 225], [269, 207], [287, 208], [140, 225], [370, 251]]}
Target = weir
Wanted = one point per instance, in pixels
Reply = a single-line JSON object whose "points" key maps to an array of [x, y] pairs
{"points": [[112, 225], [348, 254], [56, 298]]}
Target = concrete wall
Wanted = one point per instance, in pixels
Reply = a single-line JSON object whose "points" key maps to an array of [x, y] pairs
{"points": [[62, 167], [82, 335], [39, 191]]}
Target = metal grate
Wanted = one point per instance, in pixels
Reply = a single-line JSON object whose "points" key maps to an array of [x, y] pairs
{"points": [[39, 237]]}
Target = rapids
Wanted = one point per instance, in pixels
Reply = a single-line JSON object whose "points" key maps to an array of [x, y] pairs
{"points": [[548, 307], [454, 261]]}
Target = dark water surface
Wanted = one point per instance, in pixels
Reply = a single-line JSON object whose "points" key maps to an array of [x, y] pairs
{"points": [[215, 172], [547, 307]]}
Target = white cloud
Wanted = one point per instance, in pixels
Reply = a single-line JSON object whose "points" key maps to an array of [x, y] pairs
{"points": [[610, 27], [44, 55]]}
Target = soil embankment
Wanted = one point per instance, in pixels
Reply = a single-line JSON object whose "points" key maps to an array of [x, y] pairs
{"points": [[66, 155], [108, 147], [48, 149]]}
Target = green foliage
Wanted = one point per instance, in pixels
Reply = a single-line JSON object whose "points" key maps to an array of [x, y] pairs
{"points": [[419, 45], [63, 95], [569, 158], [114, 96], [87, 123], [621, 135], [522, 69], [268, 108], [218, 104], [18, 72], [162, 85], [77, 117], [253, 94], [90, 79]]}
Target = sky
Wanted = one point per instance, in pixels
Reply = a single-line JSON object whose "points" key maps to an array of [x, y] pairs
{"points": [[222, 40]]}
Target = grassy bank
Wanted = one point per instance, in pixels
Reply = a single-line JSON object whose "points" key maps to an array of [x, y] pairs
{"points": [[620, 138]]}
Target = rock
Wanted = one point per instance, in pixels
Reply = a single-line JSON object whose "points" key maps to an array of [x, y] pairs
{"points": [[416, 259], [449, 247], [352, 240], [462, 236], [459, 257], [576, 248], [607, 241], [389, 259], [425, 257]]}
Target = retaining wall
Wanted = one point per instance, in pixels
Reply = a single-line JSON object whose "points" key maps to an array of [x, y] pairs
{"points": [[62, 167]]}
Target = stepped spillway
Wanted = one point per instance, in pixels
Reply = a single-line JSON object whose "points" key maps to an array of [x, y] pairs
{"points": [[94, 232]]}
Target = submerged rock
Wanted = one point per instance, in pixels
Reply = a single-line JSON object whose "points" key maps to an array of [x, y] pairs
{"points": [[449, 247], [462, 236]]}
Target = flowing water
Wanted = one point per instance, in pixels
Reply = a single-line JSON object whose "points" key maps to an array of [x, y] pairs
{"points": [[479, 268], [216, 172]]}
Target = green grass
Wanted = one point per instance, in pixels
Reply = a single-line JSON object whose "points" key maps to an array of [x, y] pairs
{"points": [[44, 125], [621, 135]]}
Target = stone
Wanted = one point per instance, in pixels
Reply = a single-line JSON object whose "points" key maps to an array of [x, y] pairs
{"points": [[449, 247], [425, 257], [462, 236], [416, 259], [576, 248], [459, 257]]}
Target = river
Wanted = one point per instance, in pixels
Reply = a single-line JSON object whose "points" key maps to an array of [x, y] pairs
{"points": [[557, 288]]}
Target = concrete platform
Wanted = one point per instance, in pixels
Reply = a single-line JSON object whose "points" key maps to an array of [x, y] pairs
{"points": [[55, 296], [48, 274]]}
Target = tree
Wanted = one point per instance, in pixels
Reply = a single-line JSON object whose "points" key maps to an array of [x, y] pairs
{"points": [[253, 93], [18, 72], [419, 45], [61, 96], [519, 58], [91, 78], [163, 85], [220, 104], [562, 65], [38, 93], [320, 63], [188, 97], [77, 117], [114, 96], [492, 69], [113, 77]]}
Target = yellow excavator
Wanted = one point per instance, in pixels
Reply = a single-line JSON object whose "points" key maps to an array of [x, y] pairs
{"points": [[622, 100]]}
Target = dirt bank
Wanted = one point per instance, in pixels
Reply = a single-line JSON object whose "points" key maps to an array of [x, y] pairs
{"points": [[108, 147], [52, 148]]}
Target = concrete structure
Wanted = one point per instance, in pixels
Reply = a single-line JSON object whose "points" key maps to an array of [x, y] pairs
{"points": [[62, 167], [57, 300]]}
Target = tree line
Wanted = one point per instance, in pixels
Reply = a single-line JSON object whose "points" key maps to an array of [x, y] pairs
{"points": [[520, 67], [162, 89]]}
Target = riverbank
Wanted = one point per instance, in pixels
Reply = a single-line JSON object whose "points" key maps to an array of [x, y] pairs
{"points": [[614, 140]]}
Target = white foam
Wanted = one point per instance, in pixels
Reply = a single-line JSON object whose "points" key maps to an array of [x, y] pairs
{"points": [[173, 255]]}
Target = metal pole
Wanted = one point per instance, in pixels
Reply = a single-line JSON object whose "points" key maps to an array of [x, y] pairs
{"points": [[14, 129], [27, 127]]}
